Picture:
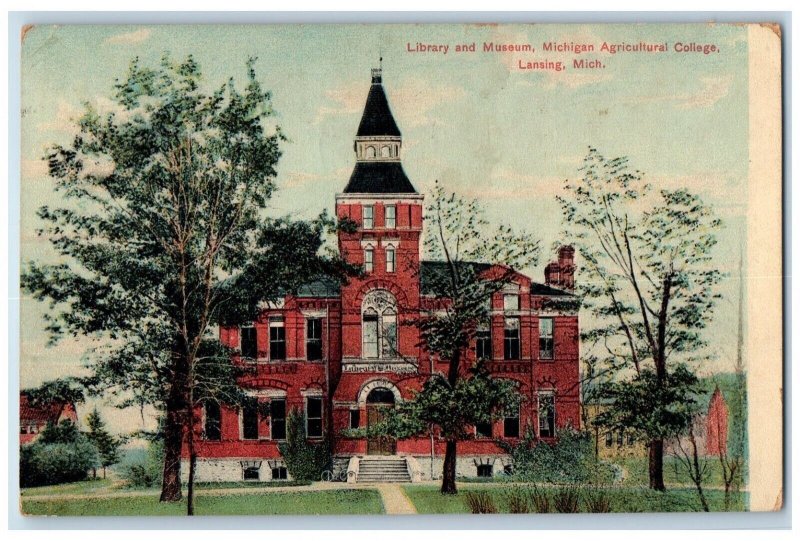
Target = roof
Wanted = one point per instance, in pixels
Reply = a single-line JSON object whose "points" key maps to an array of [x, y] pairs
{"points": [[323, 286], [431, 270], [377, 118], [379, 177], [41, 414]]}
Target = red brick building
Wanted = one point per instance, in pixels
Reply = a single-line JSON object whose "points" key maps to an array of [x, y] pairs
{"points": [[34, 419], [716, 425], [336, 353]]}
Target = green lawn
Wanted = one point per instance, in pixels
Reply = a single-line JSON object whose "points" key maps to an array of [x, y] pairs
{"points": [[334, 502], [428, 500], [81, 487], [637, 472]]}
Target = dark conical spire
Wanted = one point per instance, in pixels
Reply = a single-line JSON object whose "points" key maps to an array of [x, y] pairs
{"points": [[377, 118]]}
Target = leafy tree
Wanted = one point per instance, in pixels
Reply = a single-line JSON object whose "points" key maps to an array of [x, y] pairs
{"points": [[466, 394], [106, 444], [648, 280], [164, 234], [305, 461], [61, 391]]}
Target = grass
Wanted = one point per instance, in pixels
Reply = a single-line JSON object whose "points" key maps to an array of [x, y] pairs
{"points": [[333, 502], [81, 487], [637, 472], [428, 500]]}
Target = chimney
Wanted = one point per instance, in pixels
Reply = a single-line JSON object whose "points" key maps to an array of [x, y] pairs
{"points": [[566, 262], [561, 273], [552, 274]]}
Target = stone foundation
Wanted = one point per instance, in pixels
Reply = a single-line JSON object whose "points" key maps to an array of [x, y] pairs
{"points": [[421, 467]]}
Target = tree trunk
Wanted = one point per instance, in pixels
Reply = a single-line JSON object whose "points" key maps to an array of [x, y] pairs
{"points": [[656, 465], [104, 472], [173, 441], [190, 487], [449, 472]]}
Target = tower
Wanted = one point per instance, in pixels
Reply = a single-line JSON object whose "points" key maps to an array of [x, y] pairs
{"points": [[387, 211]]}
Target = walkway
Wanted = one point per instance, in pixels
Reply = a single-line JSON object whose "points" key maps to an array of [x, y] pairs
{"points": [[395, 501]]}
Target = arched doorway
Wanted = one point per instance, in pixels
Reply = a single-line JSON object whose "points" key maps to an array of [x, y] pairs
{"points": [[378, 400]]}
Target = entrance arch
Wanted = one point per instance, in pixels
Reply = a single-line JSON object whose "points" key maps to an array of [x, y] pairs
{"points": [[378, 400]]}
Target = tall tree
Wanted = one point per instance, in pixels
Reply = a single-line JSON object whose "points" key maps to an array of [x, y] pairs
{"points": [[107, 445], [466, 394], [648, 276], [164, 234]]}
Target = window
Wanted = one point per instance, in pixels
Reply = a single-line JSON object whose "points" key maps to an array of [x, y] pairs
{"points": [[279, 473], [248, 343], [485, 470], [547, 415], [391, 217], [212, 425], [314, 339], [511, 426], [385, 151], [379, 325], [277, 411], [369, 347], [250, 419], [609, 439], [511, 339], [483, 344], [483, 430], [314, 417], [368, 217], [546, 338], [510, 302], [251, 473], [388, 334], [277, 340], [370, 152], [369, 259], [620, 437], [630, 439], [390, 259], [355, 419]]}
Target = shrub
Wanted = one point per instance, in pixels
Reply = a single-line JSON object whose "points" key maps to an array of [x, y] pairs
{"points": [[597, 501], [566, 499], [480, 503], [569, 460], [518, 500], [305, 460], [147, 472], [541, 501], [60, 455]]}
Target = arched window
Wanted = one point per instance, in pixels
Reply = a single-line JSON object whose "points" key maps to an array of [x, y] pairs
{"points": [[390, 259], [386, 151], [379, 325], [369, 259], [370, 152]]}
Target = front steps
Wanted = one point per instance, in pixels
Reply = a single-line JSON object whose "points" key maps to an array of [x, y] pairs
{"points": [[383, 469]]}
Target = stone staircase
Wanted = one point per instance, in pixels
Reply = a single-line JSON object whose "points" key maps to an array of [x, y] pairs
{"points": [[383, 469]]}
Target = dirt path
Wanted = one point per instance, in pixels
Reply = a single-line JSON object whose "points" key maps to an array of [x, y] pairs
{"points": [[395, 501]]}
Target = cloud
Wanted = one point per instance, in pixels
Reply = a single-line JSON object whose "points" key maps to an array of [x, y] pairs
{"points": [[63, 120], [712, 89], [411, 101], [130, 38]]}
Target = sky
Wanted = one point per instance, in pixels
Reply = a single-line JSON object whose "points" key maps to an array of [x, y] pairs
{"points": [[475, 121]]}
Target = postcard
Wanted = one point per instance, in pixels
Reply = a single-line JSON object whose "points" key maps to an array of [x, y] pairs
{"points": [[331, 269]]}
